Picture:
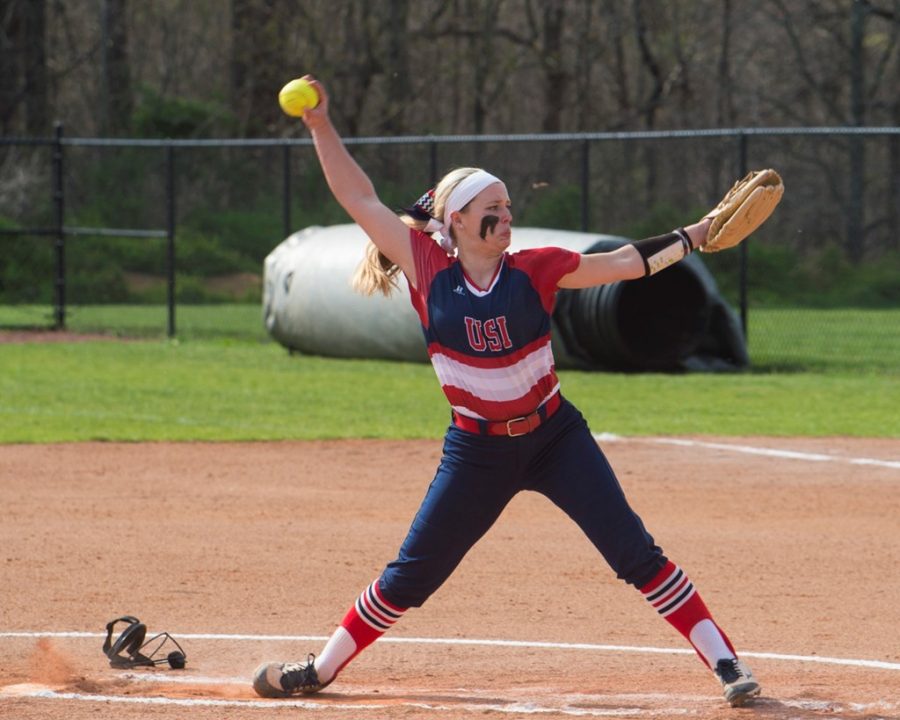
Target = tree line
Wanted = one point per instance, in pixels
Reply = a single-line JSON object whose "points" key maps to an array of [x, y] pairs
{"points": [[453, 66], [212, 68]]}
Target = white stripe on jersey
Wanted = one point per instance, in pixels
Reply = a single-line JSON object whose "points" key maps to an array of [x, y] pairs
{"points": [[495, 384], [469, 412]]}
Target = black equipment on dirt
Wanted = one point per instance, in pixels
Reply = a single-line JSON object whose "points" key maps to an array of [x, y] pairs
{"points": [[127, 650]]}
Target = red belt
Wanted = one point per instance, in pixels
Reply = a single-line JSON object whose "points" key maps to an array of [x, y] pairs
{"points": [[514, 427]]}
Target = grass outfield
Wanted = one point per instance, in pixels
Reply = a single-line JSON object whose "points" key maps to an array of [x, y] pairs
{"points": [[244, 387], [242, 321], [835, 340], [792, 340]]}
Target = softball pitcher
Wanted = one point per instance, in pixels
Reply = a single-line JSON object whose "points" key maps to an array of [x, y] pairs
{"points": [[486, 316]]}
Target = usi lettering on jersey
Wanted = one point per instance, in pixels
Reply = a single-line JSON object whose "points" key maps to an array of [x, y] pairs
{"points": [[490, 333], [490, 347]]}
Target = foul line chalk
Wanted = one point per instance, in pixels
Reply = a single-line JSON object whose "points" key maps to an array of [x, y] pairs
{"points": [[852, 662], [630, 704], [48, 694], [518, 708], [753, 450]]}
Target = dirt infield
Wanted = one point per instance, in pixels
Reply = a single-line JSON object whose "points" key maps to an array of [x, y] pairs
{"points": [[242, 550]]}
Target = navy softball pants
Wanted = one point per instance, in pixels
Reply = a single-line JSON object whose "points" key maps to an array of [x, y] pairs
{"points": [[477, 477]]}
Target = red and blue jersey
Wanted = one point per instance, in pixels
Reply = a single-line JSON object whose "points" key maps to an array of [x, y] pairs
{"points": [[490, 347]]}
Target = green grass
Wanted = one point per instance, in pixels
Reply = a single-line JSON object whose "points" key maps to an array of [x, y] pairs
{"points": [[205, 390], [743, 404], [233, 320], [783, 339], [842, 340], [223, 380]]}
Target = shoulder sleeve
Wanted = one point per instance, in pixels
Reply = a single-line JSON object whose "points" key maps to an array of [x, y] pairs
{"points": [[429, 260], [546, 266]]}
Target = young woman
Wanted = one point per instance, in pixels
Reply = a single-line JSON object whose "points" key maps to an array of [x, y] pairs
{"points": [[486, 317]]}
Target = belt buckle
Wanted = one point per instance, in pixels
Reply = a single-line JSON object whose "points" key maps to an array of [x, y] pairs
{"points": [[509, 430]]}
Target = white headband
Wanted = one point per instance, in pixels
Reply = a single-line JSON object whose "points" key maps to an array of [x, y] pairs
{"points": [[460, 197]]}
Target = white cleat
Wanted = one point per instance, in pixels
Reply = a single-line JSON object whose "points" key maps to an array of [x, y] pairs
{"points": [[279, 680], [738, 683]]}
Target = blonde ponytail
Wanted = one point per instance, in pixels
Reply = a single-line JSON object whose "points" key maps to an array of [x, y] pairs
{"points": [[376, 272]]}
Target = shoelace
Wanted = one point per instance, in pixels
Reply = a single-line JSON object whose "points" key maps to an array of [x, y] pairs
{"points": [[728, 670], [296, 676]]}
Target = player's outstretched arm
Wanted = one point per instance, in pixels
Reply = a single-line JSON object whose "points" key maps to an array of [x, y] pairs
{"points": [[744, 208], [638, 259], [353, 189]]}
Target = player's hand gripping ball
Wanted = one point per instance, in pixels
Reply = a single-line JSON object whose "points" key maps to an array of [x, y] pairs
{"points": [[297, 97]]}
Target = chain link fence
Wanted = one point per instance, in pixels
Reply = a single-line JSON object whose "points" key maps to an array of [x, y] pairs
{"points": [[164, 226]]}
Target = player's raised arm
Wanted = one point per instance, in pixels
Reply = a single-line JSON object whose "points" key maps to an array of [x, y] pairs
{"points": [[353, 189]]}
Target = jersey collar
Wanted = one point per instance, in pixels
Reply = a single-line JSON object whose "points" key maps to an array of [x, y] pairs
{"points": [[478, 291]]}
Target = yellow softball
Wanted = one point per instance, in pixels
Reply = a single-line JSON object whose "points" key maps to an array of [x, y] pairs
{"points": [[297, 97]]}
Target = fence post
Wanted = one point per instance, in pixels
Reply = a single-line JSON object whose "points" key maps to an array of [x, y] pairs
{"points": [[170, 236], [745, 259], [59, 294], [432, 158], [286, 188], [585, 184]]}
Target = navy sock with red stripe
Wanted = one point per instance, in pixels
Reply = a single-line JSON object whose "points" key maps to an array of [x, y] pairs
{"points": [[672, 595], [366, 621]]}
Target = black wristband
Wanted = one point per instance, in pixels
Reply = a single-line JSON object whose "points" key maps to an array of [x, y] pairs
{"points": [[663, 250]]}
